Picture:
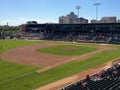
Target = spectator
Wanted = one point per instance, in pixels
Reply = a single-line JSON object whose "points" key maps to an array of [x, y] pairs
{"points": [[87, 77]]}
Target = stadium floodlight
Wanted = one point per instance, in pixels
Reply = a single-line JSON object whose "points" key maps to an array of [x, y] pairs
{"points": [[78, 8], [96, 4]]}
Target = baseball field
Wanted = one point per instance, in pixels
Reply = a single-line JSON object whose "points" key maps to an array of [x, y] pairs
{"points": [[29, 65]]}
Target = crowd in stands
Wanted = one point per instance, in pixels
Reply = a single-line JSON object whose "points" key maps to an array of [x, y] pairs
{"points": [[108, 79], [96, 37], [93, 37]]}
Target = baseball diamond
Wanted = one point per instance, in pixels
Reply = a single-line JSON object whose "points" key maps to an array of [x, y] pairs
{"points": [[39, 69]]}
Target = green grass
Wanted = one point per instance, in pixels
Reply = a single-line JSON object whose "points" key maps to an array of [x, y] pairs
{"points": [[67, 50], [34, 80], [8, 44], [20, 77], [11, 71]]}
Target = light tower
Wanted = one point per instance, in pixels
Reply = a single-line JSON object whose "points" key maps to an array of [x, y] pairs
{"points": [[96, 4], [78, 8]]}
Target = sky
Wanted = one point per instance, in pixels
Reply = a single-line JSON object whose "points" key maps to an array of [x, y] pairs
{"points": [[17, 12]]}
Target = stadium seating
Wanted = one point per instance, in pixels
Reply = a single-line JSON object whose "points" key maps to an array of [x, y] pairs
{"points": [[94, 37], [108, 79]]}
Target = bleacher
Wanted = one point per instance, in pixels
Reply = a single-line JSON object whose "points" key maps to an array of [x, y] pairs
{"points": [[96, 37], [108, 79], [92, 36]]}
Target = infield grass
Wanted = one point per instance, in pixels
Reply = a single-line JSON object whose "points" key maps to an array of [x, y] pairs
{"points": [[67, 50], [20, 77]]}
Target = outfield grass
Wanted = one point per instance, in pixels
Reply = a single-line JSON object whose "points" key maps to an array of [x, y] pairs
{"points": [[28, 79], [67, 50], [11, 71], [8, 44]]}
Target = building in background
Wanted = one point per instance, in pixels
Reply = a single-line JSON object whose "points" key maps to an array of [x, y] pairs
{"points": [[93, 21], [118, 20], [63, 20], [111, 19], [82, 20], [71, 19]]}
